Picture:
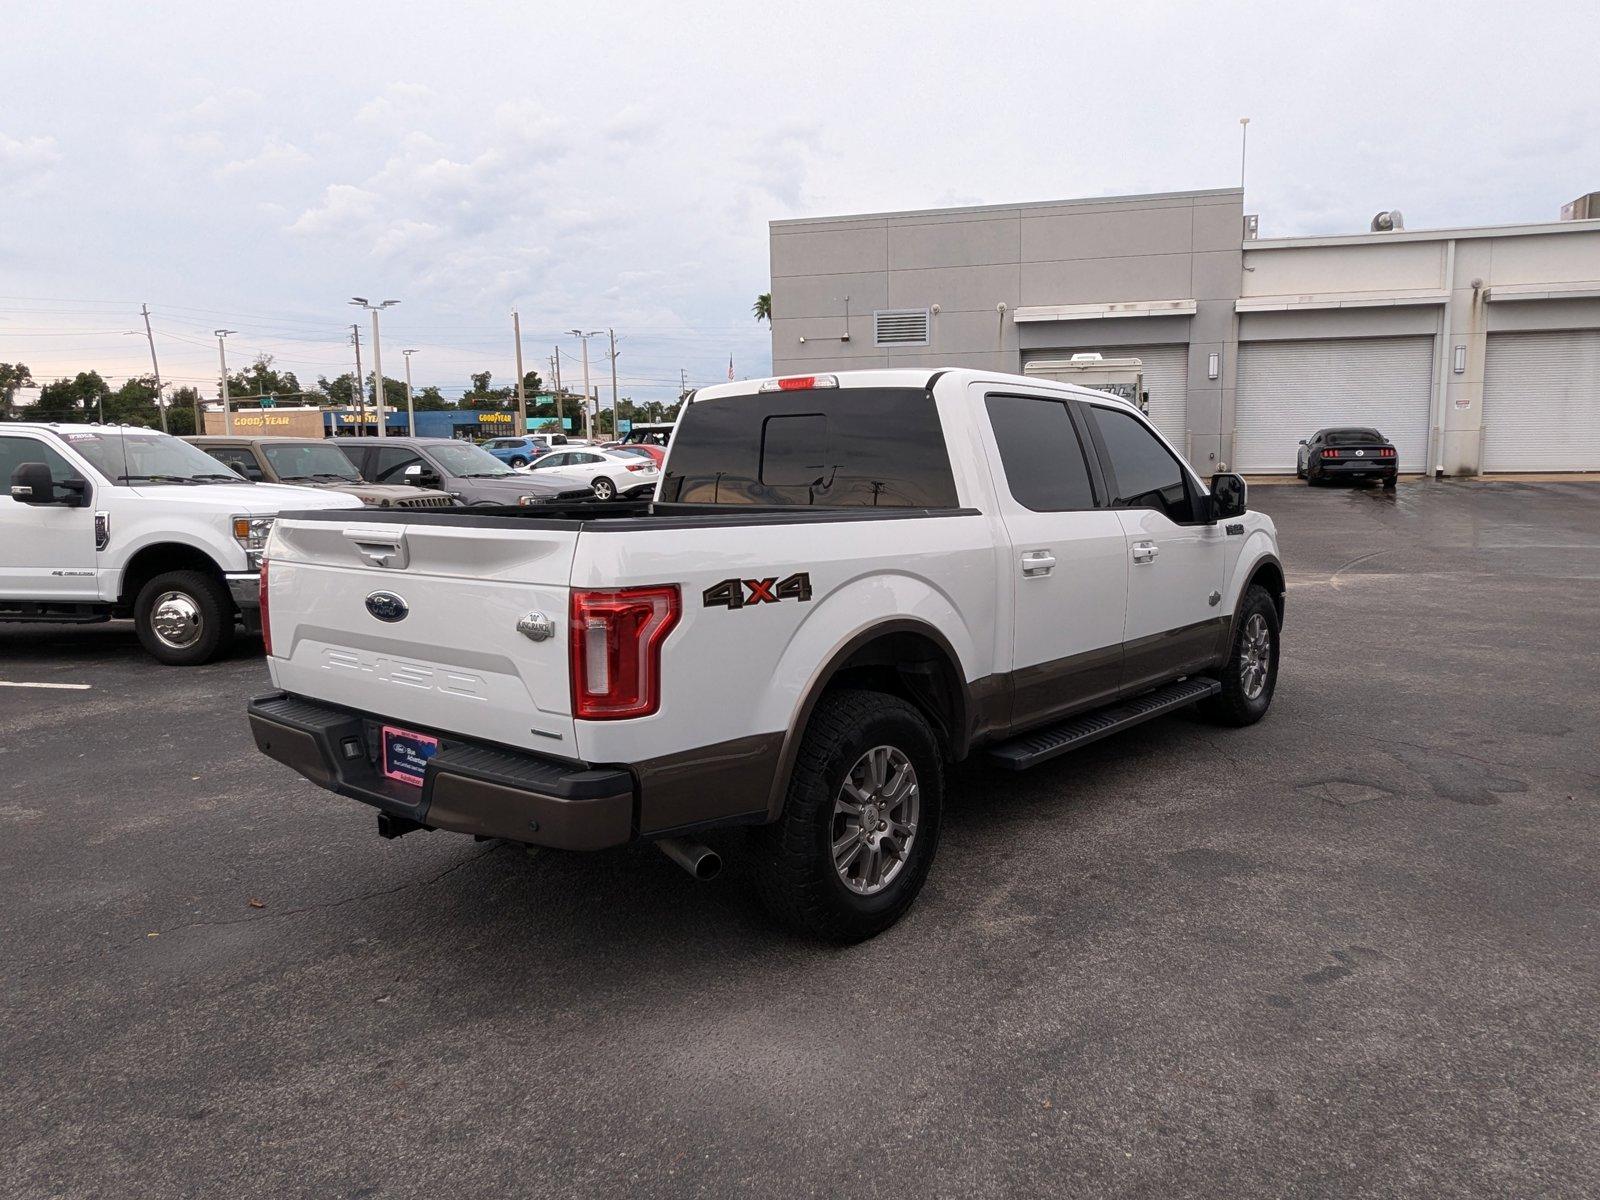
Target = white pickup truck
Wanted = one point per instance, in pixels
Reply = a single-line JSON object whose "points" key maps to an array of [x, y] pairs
{"points": [[844, 583], [102, 521]]}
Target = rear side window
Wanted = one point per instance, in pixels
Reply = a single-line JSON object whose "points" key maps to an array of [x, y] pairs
{"points": [[850, 447], [1043, 458], [1145, 473]]}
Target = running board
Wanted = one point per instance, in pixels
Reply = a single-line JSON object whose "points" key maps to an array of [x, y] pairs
{"points": [[1033, 748]]}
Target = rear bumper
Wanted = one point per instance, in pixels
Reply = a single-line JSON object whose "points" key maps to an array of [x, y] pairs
{"points": [[468, 787], [1357, 468]]}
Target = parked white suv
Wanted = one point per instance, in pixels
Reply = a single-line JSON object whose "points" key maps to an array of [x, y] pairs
{"points": [[844, 583], [101, 521]]}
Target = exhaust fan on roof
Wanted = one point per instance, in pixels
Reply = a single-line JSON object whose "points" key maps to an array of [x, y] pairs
{"points": [[1388, 222]]}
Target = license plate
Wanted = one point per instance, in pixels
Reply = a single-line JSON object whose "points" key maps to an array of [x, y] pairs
{"points": [[406, 754]]}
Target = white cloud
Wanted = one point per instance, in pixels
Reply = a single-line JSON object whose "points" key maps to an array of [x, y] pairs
{"points": [[275, 155], [397, 102], [26, 163]]}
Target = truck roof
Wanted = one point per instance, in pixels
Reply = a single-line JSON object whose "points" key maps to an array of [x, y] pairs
{"points": [[97, 426], [885, 377]]}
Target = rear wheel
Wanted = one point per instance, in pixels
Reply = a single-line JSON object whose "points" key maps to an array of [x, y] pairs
{"points": [[1250, 675], [1390, 481], [518, 461], [860, 822], [184, 618], [603, 488]]}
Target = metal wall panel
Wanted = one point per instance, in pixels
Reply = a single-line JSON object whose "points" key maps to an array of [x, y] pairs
{"points": [[1289, 390], [1541, 401]]}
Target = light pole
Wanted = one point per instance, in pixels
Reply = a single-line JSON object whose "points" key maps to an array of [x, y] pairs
{"points": [[222, 357], [411, 412], [377, 353], [584, 336]]}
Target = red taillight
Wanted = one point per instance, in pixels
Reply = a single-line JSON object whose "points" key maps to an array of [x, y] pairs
{"points": [[797, 383], [266, 615], [644, 466], [615, 647], [1330, 454]]}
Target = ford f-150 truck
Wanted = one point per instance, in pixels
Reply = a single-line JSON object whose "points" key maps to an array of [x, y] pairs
{"points": [[843, 584], [102, 521]]}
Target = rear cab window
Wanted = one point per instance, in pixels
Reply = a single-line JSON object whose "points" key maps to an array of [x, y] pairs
{"points": [[829, 447], [1045, 466]]}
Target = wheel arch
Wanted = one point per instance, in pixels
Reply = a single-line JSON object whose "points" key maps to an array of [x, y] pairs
{"points": [[903, 656], [158, 558]]}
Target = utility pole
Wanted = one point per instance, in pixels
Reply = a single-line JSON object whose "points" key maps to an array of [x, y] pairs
{"points": [[156, 367], [561, 402], [616, 430], [584, 336], [222, 358], [683, 382], [358, 394], [522, 393], [377, 356], [411, 412], [1244, 144]]}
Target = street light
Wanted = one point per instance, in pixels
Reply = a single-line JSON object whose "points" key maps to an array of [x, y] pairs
{"points": [[411, 412], [584, 337], [222, 356], [377, 354]]}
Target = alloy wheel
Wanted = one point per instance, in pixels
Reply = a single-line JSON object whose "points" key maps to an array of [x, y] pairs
{"points": [[875, 820]]}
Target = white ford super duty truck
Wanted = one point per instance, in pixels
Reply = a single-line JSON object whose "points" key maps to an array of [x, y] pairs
{"points": [[102, 521], [844, 583]]}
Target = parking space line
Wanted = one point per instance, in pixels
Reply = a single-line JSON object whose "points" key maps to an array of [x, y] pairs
{"points": [[66, 687]]}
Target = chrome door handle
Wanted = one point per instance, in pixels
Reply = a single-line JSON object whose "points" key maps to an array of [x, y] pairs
{"points": [[1145, 552], [1038, 562]]}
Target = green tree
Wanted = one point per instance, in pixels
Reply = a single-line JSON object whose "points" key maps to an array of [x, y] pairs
{"points": [[262, 379], [762, 308], [76, 399], [134, 403], [430, 399], [12, 377]]}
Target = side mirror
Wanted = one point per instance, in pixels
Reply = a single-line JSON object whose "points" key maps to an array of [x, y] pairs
{"points": [[1302, 441], [31, 484], [1230, 495]]}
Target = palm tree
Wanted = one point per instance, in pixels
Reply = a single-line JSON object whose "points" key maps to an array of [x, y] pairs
{"points": [[762, 308]]}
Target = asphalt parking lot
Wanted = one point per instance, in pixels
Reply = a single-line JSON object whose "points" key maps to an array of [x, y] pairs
{"points": [[1354, 950]]}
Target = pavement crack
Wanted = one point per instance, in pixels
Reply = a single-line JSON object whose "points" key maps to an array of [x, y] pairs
{"points": [[372, 894]]}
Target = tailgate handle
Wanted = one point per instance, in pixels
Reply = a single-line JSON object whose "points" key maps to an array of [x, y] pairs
{"points": [[380, 545]]}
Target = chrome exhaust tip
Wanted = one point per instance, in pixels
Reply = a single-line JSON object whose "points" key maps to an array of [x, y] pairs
{"points": [[702, 862]]}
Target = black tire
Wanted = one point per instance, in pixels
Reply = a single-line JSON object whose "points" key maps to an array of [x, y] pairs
{"points": [[1234, 705], [518, 461], [1389, 482], [206, 597], [797, 877], [603, 488]]}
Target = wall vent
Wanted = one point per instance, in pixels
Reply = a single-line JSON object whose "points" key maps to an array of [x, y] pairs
{"points": [[900, 327]]}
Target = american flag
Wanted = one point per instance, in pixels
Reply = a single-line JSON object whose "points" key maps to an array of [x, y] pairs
{"points": [[730, 368]]}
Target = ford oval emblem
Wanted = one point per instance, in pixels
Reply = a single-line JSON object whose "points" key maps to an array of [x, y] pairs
{"points": [[386, 606]]}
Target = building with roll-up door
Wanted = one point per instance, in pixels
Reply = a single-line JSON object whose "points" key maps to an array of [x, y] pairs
{"points": [[1475, 350]]}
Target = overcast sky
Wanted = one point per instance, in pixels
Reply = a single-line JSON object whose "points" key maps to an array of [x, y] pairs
{"points": [[612, 165]]}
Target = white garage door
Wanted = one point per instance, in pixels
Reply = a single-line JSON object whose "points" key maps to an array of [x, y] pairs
{"points": [[1166, 378], [1289, 390], [1541, 401]]}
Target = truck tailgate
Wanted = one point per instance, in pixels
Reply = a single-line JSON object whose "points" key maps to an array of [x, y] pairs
{"points": [[446, 654]]}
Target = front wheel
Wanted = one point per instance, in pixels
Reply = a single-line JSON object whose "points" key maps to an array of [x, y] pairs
{"points": [[603, 489], [184, 618], [1250, 675], [860, 822]]}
